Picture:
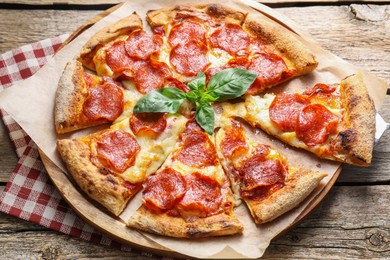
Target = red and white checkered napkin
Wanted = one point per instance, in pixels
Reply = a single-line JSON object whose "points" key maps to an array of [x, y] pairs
{"points": [[30, 194]]}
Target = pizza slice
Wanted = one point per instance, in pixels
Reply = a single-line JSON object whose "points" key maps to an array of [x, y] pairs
{"points": [[84, 99], [189, 196], [213, 37], [106, 35], [335, 122], [111, 165], [260, 175]]}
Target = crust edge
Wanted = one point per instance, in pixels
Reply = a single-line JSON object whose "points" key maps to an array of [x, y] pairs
{"points": [[358, 139], [301, 57], [163, 224], [70, 95], [106, 189], [107, 34], [218, 12], [302, 183]]}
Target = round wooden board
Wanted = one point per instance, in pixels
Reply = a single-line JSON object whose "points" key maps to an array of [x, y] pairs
{"points": [[93, 214]]}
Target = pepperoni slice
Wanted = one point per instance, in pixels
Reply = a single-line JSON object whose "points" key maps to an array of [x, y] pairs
{"points": [[117, 150], [190, 58], [319, 89], [196, 148], [118, 60], [142, 45], [261, 192], [175, 83], [324, 94], [191, 15], [185, 32], [239, 62], [151, 76], [270, 69], [163, 190], [230, 38], [104, 101], [234, 142], [284, 110], [259, 171], [315, 124], [148, 124], [203, 197], [159, 30], [91, 80]]}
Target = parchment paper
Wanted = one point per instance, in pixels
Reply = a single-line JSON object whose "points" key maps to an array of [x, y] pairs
{"points": [[31, 105]]}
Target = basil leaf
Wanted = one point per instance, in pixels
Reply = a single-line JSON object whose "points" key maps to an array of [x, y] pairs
{"points": [[161, 100], [205, 117], [207, 98], [199, 83], [192, 96], [230, 83]]}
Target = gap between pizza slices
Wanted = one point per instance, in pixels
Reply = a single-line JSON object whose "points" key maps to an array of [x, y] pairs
{"points": [[180, 168]]}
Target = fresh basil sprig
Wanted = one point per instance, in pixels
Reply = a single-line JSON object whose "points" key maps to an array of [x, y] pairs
{"points": [[224, 85]]}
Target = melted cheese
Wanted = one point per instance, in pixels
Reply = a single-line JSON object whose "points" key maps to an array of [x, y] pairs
{"points": [[215, 172], [153, 152]]}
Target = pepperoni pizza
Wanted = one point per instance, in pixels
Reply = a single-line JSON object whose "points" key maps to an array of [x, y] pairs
{"points": [[177, 165]]}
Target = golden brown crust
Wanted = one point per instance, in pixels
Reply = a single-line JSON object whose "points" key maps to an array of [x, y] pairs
{"points": [[358, 139], [298, 56], [218, 12], [163, 224], [103, 187], [70, 96], [122, 27], [300, 184]]}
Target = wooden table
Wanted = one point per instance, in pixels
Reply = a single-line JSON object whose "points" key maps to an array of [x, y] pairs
{"points": [[354, 219]]}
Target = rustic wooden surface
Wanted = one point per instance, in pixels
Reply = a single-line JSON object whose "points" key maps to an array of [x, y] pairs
{"points": [[353, 221], [105, 2]]}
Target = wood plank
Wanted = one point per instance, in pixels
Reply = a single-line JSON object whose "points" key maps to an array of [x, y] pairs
{"points": [[352, 222], [35, 25], [100, 2], [328, 233]]}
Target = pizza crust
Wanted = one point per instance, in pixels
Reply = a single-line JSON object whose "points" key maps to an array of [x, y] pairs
{"points": [[122, 27], [163, 224], [300, 184], [105, 188], [358, 139], [218, 12], [298, 56], [70, 96]]}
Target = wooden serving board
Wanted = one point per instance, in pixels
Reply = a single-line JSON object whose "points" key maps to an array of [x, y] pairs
{"points": [[112, 226]]}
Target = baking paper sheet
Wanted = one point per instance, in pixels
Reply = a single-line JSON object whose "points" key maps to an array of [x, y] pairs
{"points": [[31, 104]]}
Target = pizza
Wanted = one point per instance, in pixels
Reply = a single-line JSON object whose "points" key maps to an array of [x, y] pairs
{"points": [[140, 91], [333, 121]]}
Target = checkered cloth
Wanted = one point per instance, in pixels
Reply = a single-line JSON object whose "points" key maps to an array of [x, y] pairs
{"points": [[29, 194]]}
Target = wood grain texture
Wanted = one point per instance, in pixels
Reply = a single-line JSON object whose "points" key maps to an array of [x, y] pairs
{"points": [[99, 2], [341, 227], [34, 25]]}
